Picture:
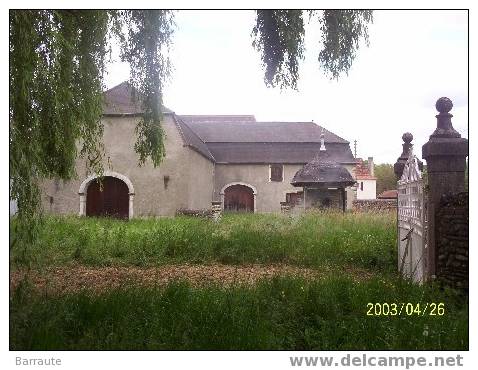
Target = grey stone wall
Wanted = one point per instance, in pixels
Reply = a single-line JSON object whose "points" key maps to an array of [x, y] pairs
{"points": [[452, 241], [269, 193], [184, 180], [315, 198], [154, 195], [200, 181], [374, 205]]}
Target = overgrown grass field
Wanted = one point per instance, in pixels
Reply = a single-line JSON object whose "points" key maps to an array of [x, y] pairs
{"points": [[282, 313], [362, 240], [286, 312]]}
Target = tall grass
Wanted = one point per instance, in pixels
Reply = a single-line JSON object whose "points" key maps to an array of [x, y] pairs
{"points": [[282, 313], [318, 239]]}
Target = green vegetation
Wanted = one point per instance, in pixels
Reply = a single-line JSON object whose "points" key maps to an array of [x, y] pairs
{"points": [[314, 240], [56, 79], [386, 179], [282, 313], [323, 312]]}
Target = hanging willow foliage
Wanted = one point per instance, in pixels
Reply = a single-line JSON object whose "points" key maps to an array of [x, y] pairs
{"points": [[279, 37], [342, 31], [145, 47], [56, 69], [57, 63]]}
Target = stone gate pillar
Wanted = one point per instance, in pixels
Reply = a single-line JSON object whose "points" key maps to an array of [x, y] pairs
{"points": [[445, 153], [400, 163]]}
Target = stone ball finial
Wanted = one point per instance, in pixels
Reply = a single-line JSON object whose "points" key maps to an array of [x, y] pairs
{"points": [[407, 137], [444, 105]]}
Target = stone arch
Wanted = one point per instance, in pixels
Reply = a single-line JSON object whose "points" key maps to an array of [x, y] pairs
{"points": [[84, 188], [252, 187]]}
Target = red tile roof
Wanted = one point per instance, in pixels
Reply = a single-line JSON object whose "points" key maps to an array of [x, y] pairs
{"points": [[362, 171], [388, 194]]}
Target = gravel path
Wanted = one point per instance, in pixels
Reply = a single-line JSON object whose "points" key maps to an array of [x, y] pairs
{"points": [[75, 278]]}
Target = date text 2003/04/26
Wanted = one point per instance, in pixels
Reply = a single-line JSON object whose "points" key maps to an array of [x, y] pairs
{"points": [[405, 309]]}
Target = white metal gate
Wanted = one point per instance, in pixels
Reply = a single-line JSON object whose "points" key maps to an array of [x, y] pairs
{"points": [[412, 223]]}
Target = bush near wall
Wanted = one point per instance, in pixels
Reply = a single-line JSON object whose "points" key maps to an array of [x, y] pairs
{"points": [[374, 205]]}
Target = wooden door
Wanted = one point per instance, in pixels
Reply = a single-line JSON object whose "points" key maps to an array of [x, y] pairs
{"points": [[294, 198], [239, 198], [110, 201]]}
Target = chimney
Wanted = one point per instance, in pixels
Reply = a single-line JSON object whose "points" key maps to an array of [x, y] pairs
{"points": [[370, 166]]}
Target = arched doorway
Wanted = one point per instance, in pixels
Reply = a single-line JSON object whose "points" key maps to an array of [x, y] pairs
{"points": [[82, 192], [109, 198], [239, 198]]}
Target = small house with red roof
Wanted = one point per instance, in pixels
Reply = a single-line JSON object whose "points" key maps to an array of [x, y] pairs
{"points": [[366, 180]]}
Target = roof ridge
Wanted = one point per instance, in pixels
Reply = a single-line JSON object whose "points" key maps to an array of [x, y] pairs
{"points": [[178, 122], [216, 115], [117, 86], [118, 101]]}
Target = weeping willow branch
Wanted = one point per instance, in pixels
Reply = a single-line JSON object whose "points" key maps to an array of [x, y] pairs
{"points": [[145, 48], [279, 38], [56, 70], [57, 64], [342, 31]]}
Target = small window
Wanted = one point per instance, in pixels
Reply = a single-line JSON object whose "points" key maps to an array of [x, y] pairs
{"points": [[361, 185], [276, 172]]}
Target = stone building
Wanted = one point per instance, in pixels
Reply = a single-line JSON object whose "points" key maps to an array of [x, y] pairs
{"points": [[324, 182], [233, 159]]}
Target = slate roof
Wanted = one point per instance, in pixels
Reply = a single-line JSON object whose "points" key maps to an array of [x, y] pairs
{"points": [[322, 171], [260, 132], [286, 153], [240, 138], [218, 118], [191, 139], [117, 101]]}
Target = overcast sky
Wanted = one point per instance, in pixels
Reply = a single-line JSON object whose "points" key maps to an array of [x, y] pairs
{"points": [[414, 58]]}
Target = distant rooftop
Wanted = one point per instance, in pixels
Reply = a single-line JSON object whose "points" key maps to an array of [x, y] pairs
{"points": [[218, 118], [362, 171], [388, 194]]}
